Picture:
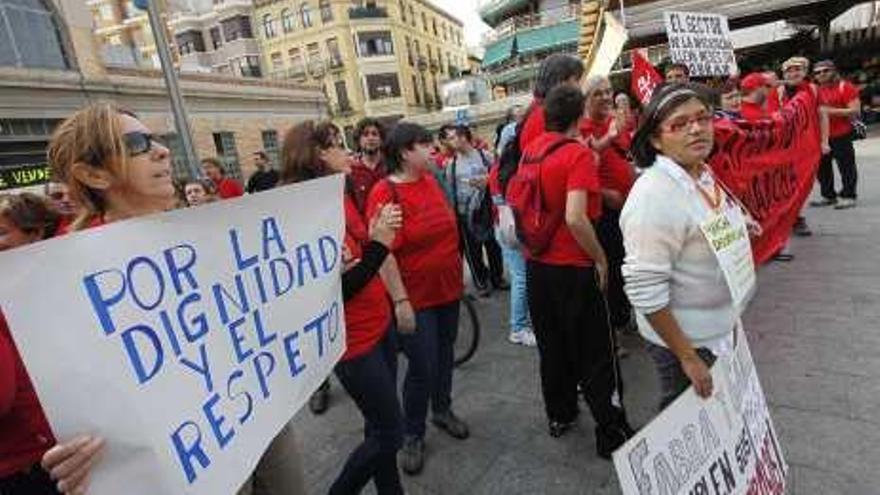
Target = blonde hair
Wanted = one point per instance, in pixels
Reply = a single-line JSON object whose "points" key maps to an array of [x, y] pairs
{"points": [[93, 137]]}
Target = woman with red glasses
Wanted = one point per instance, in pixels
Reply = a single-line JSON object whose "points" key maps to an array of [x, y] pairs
{"points": [[688, 267]]}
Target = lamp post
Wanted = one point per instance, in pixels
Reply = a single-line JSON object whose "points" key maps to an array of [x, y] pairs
{"points": [[177, 108]]}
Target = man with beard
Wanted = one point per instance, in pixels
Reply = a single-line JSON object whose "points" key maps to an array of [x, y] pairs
{"points": [[369, 134]]}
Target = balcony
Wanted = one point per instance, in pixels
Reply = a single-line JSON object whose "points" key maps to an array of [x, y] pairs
{"points": [[385, 106], [435, 66], [317, 69], [336, 64], [422, 63], [367, 13], [549, 17], [297, 72], [197, 62]]}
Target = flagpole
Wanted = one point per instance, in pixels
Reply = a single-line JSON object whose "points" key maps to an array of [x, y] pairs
{"points": [[622, 14]]}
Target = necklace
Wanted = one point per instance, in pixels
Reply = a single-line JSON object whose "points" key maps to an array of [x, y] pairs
{"points": [[713, 200]]}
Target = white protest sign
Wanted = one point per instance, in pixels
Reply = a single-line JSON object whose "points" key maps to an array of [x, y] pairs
{"points": [[726, 444], [187, 339], [702, 42]]}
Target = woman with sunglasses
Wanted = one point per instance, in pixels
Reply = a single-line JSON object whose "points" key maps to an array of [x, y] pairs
{"points": [[115, 170], [687, 297], [367, 370]]}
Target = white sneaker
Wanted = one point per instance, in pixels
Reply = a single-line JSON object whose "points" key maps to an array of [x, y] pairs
{"points": [[523, 337], [845, 203]]}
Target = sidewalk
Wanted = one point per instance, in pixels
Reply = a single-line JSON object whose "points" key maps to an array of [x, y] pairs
{"points": [[814, 329]]}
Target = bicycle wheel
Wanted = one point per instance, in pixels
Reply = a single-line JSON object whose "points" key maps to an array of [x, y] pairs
{"points": [[468, 337]]}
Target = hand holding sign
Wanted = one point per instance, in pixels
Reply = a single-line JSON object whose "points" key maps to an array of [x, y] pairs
{"points": [[385, 224]]}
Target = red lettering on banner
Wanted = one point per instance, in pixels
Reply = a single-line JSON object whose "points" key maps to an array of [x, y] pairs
{"points": [[768, 478], [771, 166]]}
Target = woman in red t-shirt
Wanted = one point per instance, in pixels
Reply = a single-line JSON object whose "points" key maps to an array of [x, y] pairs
{"points": [[24, 432], [565, 283], [430, 266], [367, 370], [609, 137]]}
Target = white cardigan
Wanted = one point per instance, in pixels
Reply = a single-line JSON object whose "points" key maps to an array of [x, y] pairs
{"points": [[669, 261]]}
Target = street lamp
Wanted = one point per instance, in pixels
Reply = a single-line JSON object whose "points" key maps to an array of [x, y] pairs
{"points": [[180, 119]]}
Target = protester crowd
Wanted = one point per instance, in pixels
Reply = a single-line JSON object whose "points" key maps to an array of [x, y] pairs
{"points": [[586, 212]]}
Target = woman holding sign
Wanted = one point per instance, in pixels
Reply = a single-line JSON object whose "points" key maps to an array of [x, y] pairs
{"points": [[367, 370], [116, 170], [688, 268]]}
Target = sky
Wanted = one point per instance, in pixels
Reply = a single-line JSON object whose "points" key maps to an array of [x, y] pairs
{"points": [[466, 11]]}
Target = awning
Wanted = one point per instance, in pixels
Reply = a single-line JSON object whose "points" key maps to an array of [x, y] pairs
{"points": [[499, 51], [547, 37]]}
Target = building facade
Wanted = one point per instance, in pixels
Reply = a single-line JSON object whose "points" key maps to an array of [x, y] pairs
{"points": [[124, 34], [524, 32], [383, 59], [43, 82]]}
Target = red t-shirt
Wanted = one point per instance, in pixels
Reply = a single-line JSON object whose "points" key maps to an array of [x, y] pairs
{"points": [[570, 168], [773, 104], [838, 95], [752, 112], [533, 126], [24, 431], [615, 170], [426, 248], [363, 178], [368, 313], [229, 188]]}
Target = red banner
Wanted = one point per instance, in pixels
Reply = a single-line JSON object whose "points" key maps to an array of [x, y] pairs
{"points": [[644, 77], [771, 167]]}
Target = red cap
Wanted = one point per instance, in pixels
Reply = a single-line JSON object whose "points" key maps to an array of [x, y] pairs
{"points": [[753, 81]]}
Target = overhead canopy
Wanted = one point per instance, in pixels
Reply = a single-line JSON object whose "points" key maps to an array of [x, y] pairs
{"points": [[547, 37], [499, 51]]}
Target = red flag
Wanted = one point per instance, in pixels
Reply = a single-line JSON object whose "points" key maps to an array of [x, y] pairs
{"points": [[644, 77], [771, 167]]}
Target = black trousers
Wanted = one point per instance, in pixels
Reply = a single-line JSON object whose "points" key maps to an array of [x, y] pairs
{"points": [[35, 481], [575, 343], [473, 249], [619, 307], [844, 154]]}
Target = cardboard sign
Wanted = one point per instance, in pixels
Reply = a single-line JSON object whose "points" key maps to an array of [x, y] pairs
{"points": [[724, 444], [187, 339], [702, 42]]}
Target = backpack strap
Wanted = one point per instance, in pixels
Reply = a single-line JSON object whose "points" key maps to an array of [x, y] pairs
{"points": [[552, 149]]}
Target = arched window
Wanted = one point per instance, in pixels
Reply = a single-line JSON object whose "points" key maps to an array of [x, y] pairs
{"points": [[30, 36], [269, 26], [287, 21], [326, 11], [306, 14]]}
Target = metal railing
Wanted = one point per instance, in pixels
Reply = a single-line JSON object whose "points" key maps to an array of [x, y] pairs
{"points": [[527, 21]]}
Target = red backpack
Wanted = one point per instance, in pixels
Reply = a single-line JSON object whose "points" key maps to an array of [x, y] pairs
{"points": [[535, 226]]}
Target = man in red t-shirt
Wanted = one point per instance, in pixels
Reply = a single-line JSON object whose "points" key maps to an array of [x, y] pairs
{"points": [[369, 167], [754, 98], [226, 187], [556, 70], [839, 100], [607, 136], [565, 282]]}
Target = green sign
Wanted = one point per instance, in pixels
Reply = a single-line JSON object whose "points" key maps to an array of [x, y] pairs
{"points": [[18, 176]]}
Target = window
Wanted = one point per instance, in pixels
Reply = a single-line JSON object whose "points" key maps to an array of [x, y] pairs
{"points": [[216, 39], [277, 64], [316, 62], [224, 144], [409, 53], [326, 11], [189, 42], [381, 86], [270, 146], [375, 43], [297, 64], [440, 59], [434, 25], [237, 27], [424, 22], [342, 96], [247, 66], [268, 26], [305, 14], [402, 11], [30, 35], [333, 52], [416, 90], [418, 48], [412, 16], [287, 21]]}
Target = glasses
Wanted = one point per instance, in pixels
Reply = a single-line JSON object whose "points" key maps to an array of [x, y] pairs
{"points": [[138, 143], [681, 124]]}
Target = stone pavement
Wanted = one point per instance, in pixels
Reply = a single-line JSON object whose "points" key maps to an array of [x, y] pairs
{"points": [[814, 330]]}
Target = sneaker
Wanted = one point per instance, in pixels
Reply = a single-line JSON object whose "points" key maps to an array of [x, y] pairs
{"points": [[559, 428], [845, 204], [610, 438], [412, 455], [449, 422], [801, 229], [524, 337], [823, 203], [320, 400]]}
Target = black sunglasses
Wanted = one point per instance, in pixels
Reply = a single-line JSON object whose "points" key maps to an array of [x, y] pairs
{"points": [[138, 143]]}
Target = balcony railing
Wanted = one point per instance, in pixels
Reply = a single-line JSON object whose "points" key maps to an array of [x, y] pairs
{"points": [[367, 13], [527, 21]]}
